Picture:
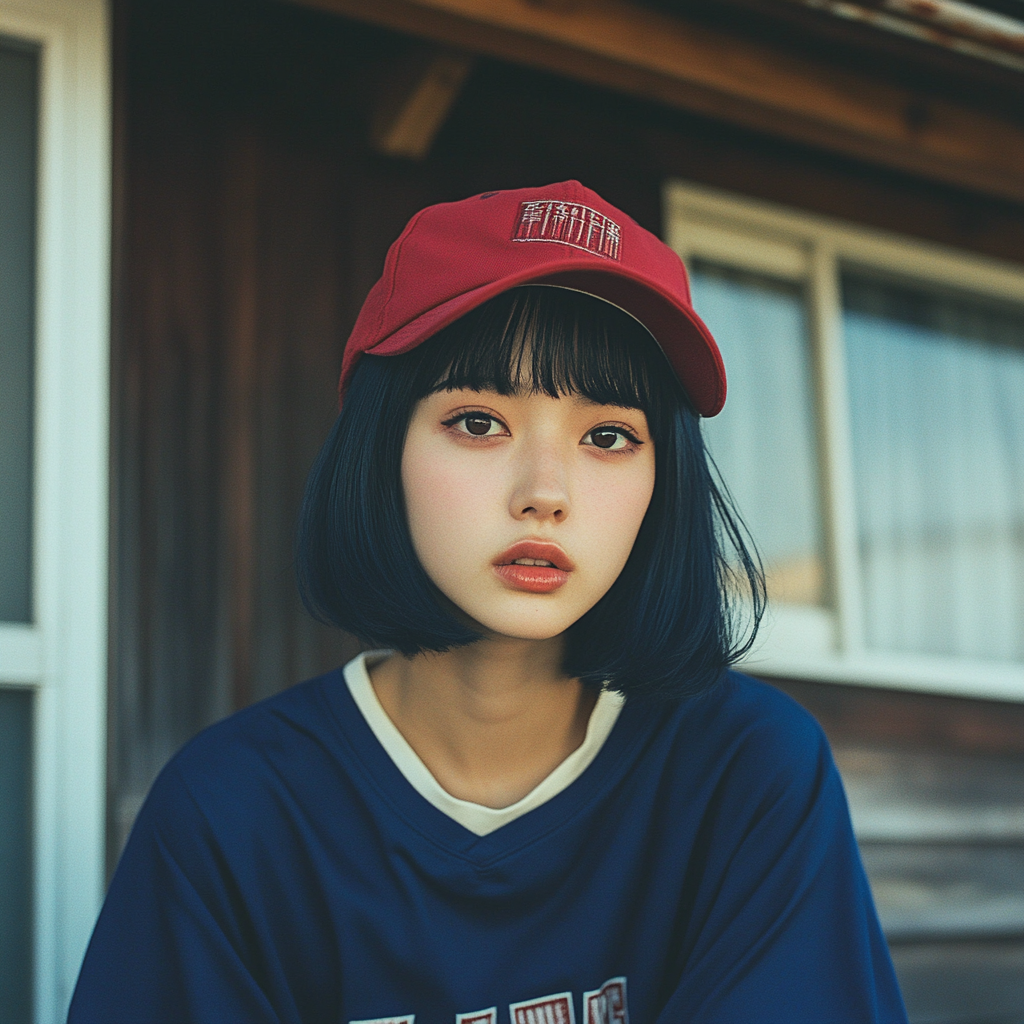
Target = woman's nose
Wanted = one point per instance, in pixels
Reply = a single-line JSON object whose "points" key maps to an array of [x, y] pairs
{"points": [[540, 490]]}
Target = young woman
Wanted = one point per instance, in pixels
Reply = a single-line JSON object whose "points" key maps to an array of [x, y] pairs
{"points": [[542, 798]]}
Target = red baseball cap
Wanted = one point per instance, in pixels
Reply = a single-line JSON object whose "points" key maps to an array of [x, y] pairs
{"points": [[453, 257]]}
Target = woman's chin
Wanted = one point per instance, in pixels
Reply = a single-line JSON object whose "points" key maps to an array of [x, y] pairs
{"points": [[497, 612], [523, 626]]}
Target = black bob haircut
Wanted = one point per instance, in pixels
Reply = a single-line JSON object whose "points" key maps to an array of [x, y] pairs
{"points": [[669, 624]]}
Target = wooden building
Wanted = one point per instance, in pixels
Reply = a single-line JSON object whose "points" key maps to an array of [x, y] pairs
{"points": [[211, 186]]}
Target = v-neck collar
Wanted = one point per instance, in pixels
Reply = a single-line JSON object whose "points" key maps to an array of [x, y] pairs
{"points": [[477, 818], [633, 728]]}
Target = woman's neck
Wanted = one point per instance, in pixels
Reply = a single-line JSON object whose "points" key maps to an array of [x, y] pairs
{"points": [[491, 720]]}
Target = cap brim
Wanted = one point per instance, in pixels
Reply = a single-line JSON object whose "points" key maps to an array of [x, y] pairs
{"points": [[682, 335]]}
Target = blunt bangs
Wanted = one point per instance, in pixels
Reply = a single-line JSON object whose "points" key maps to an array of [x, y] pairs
{"points": [[671, 622], [550, 340]]}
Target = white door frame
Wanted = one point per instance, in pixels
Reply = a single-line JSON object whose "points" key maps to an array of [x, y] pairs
{"points": [[62, 656]]}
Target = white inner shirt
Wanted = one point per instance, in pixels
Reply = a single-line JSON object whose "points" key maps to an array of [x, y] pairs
{"points": [[476, 818]]}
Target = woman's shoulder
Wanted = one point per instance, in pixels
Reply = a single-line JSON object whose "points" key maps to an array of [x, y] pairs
{"points": [[774, 737], [305, 709], [745, 733], [291, 739], [766, 711], [742, 708]]}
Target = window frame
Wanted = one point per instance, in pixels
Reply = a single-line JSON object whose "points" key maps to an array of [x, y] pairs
{"points": [[61, 656], [827, 644]]}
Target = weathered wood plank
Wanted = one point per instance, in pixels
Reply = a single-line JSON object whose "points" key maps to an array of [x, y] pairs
{"points": [[857, 716], [413, 107], [962, 982], [943, 891], [695, 67], [933, 796]]}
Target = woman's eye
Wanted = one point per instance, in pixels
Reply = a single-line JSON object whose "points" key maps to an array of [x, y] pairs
{"points": [[611, 439], [478, 424]]}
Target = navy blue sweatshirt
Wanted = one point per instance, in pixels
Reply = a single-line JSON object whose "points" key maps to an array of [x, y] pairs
{"points": [[702, 868]]}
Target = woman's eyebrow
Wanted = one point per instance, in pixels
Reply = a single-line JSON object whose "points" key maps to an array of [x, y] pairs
{"points": [[586, 400], [445, 388]]}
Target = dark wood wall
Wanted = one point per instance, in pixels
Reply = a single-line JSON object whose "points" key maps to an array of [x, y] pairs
{"points": [[251, 218]]}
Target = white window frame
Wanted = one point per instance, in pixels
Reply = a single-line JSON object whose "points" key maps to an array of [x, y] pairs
{"points": [[828, 644], [62, 656]]}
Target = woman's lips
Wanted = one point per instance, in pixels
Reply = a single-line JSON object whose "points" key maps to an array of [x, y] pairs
{"points": [[536, 579]]}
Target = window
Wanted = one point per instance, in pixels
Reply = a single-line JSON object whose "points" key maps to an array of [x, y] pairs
{"points": [[873, 440], [15, 855], [19, 114], [767, 449], [937, 424], [18, 118]]}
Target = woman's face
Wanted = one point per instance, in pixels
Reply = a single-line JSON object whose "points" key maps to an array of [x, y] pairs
{"points": [[523, 509]]}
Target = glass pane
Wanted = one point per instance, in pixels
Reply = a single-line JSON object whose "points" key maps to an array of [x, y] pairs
{"points": [[18, 113], [937, 409], [15, 857], [764, 440]]}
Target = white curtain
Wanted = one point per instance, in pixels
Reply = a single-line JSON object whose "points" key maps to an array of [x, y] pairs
{"points": [[764, 440], [937, 410]]}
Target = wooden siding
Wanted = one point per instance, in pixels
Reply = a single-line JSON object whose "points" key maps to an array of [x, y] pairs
{"points": [[936, 792]]}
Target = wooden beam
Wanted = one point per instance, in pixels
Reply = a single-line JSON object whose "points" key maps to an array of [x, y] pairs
{"points": [[654, 56], [414, 106]]}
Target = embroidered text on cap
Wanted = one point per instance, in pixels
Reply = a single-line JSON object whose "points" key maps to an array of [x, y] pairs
{"points": [[552, 220]]}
